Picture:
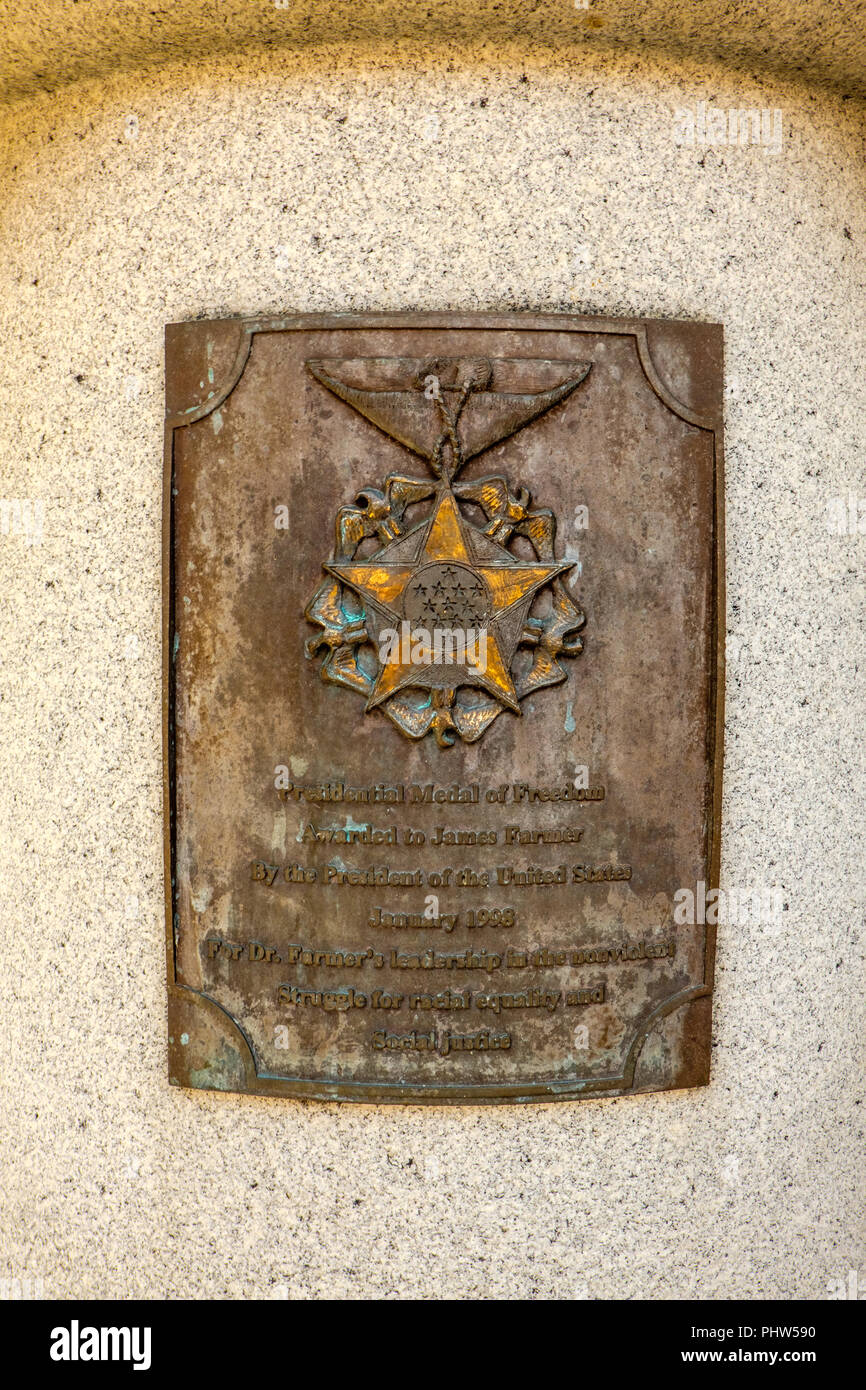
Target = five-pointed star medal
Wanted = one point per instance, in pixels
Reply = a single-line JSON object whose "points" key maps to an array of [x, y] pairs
{"points": [[447, 538]]}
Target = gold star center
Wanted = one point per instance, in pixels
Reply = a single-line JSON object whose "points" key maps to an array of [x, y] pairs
{"points": [[474, 585]]}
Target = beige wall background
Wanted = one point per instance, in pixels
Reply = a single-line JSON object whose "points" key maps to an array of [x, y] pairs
{"points": [[152, 177]]}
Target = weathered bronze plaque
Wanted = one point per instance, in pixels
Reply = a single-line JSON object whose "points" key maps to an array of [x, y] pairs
{"points": [[443, 704]]}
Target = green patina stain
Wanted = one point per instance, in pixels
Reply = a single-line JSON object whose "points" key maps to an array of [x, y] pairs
{"points": [[224, 1072]]}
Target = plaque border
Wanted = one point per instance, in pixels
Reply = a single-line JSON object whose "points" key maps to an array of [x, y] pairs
{"points": [[190, 1009]]}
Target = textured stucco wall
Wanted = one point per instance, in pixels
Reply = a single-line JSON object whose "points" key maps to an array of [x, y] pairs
{"points": [[48, 42], [394, 178]]}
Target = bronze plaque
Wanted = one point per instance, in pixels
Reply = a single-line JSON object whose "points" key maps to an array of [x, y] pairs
{"points": [[443, 604]]}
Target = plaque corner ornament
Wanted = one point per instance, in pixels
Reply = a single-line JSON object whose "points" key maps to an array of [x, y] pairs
{"points": [[425, 611]]}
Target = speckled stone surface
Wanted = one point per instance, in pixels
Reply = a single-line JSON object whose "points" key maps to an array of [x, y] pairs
{"points": [[396, 178], [48, 42]]}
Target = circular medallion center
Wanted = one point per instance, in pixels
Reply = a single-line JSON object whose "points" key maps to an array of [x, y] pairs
{"points": [[446, 595]]}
